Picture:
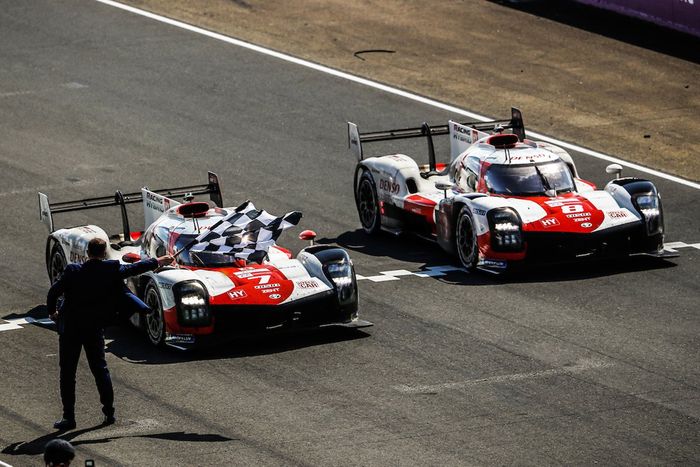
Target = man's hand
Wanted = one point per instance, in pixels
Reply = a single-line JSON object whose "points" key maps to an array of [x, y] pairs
{"points": [[165, 260]]}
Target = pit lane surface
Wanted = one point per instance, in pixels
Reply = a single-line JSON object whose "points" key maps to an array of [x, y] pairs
{"points": [[572, 364]]}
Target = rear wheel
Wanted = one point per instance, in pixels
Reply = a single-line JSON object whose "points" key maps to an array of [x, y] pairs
{"points": [[57, 263], [368, 204], [154, 322], [465, 238]]}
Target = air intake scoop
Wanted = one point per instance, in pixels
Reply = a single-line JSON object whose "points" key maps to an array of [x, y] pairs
{"points": [[503, 141]]}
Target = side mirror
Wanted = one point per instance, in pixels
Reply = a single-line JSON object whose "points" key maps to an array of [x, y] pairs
{"points": [[614, 169], [131, 258], [444, 186], [309, 235]]}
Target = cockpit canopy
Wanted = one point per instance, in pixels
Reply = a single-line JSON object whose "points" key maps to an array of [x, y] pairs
{"points": [[529, 180], [176, 231]]}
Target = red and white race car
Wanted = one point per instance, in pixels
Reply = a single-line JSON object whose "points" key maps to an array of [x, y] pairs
{"points": [[207, 294], [502, 198]]}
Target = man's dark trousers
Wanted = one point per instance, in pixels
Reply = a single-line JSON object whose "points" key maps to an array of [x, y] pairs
{"points": [[93, 293], [69, 347]]}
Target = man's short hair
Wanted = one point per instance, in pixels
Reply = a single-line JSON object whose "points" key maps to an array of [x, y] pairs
{"points": [[97, 248], [58, 451]]}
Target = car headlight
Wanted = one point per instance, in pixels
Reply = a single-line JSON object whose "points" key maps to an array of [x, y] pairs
{"points": [[649, 207], [506, 229], [192, 304], [340, 272]]}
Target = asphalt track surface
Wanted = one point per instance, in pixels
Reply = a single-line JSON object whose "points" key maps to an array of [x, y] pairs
{"points": [[572, 364]]}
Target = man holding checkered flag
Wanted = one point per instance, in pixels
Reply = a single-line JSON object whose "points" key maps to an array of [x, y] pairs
{"points": [[247, 233]]}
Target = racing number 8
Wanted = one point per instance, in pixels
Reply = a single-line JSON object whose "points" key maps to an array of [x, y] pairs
{"points": [[571, 208]]}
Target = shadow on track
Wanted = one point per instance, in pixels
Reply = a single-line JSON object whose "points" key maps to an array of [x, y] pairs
{"points": [[613, 25], [129, 345], [36, 446], [416, 250]]}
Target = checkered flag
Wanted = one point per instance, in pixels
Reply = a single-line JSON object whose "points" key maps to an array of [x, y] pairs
{"points": [[246, 233]]}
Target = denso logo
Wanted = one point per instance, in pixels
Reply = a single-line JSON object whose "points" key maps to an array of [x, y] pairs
{"points": [[550, 222], [266, 286], [307, 284], [389, 186], [236, 294]]}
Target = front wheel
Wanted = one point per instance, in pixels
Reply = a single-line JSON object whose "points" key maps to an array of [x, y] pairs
{"points": [[368, 204], [465, 238], [155, 322]]}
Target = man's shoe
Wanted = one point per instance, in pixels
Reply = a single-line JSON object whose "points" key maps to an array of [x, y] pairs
{"points": [[64, 424], [108, 420]]}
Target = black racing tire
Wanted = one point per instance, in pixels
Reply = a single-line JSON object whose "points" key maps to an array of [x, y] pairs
{"points": [[465, 239], [154, 323], [57, 263], [368, 204]]}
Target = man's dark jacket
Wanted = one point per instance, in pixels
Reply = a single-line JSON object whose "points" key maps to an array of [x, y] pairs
{"points": [[94, 293]]}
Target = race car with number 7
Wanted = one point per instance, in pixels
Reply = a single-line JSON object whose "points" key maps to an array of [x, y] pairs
{"points": [[502, 199], [230, 277]]}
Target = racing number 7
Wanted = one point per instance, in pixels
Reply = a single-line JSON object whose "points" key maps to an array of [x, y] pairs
{"points": [[264, 279]]}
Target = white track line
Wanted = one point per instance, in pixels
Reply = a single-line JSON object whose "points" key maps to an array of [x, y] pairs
{"points": [[388, 89], [579, 367]]}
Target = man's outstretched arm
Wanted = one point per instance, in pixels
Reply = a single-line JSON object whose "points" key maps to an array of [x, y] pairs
{"points": [[134, 269]]}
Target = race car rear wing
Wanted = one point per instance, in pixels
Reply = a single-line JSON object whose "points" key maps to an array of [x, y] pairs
{"points": [[355, 138], [47, 210]]}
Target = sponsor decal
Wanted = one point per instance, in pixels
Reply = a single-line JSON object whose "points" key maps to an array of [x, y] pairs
{"points": [[492, 263], [270, 290], [389, 186], [561, 202], [236, 294], [578, 214], [275, 296], [308, 284], [549, 222], [248, 272], [76, 257], [266, 286], [617, 214], [165, 285], [479, 212], [586, 225], [86, 229], [582, 219]]}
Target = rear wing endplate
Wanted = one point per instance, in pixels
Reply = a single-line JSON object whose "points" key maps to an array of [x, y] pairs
{"points": [[47, 209], [355, 138]]}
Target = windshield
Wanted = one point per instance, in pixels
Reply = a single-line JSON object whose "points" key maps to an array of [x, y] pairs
{"points": [[201, 259], [526, 180]]}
